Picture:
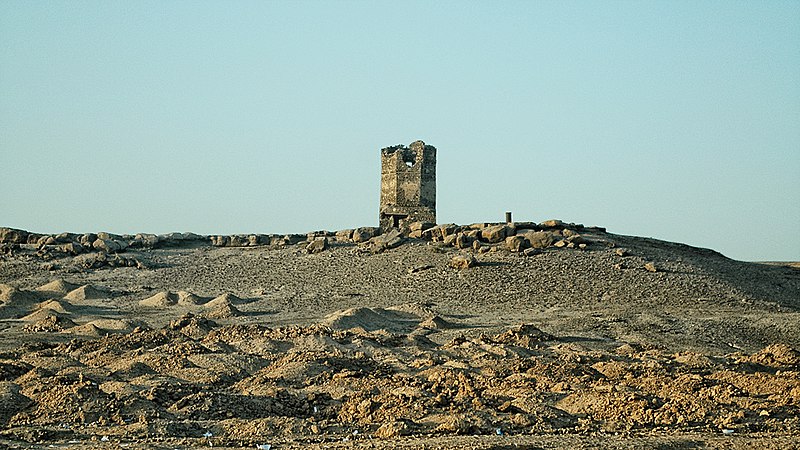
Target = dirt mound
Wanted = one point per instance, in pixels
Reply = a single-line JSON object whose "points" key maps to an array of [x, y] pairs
{"points": [[160, 300], [436, 323], [777, 355], [224, 299], [47, 322], [85, 292], [188, 299], [164, 299], [101, 327], [57, 288], [372, 319], [221, 310], [59, 306], [14, 302]]}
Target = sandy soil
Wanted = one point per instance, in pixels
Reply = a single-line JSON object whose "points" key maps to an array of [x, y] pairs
{"points": [[346, 348]]}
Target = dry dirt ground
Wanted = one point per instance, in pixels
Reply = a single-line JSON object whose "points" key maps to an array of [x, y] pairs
{"points": [[274, 347]]}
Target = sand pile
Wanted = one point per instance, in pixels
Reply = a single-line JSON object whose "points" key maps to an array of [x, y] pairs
{"points": [[57, 288], [401, 319], [85, 292]]}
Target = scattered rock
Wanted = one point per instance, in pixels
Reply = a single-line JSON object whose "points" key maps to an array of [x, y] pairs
{"points": [[391, 430], [531, 251], [51, 323], [650, 267], [417, 269], [463, 261]]}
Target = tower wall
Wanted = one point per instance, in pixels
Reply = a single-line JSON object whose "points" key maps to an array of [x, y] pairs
{"points": [[408, 185]]}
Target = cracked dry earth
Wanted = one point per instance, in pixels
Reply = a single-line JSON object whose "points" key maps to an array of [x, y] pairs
{"points": [[248, 347]]}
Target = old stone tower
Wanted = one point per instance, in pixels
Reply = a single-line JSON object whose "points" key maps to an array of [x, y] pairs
{"points": [[408, 185]]}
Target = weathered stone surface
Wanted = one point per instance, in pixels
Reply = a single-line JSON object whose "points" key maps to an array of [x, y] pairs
{"points": [[65, 238], [432, 234], [576, 239], [495, 233], [237, 240], [144, 240], [219, 241], [364, 234], [318, 245], [449, 240], [539, 239], [448, 229], [531, 251], [516, 244], [109, 236], [419, 226], [13, 236], [391, 430], [45, 240], [88, 239], [344, 235], [408, 185], [463, 261], [109, 245], [386, 241], [464, 240], [73, 248], [554, 223]]}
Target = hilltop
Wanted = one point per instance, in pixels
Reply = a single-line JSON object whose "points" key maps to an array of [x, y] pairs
{"points": [[430, 332]]}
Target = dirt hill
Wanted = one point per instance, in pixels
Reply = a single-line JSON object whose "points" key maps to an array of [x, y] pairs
{"points": [[359, 339]]}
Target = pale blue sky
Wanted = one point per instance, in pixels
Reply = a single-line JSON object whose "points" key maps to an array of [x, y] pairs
{"points": [[674, 120]]}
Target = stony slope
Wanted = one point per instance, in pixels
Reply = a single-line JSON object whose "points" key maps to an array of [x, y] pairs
{"points": [[306, 345]]}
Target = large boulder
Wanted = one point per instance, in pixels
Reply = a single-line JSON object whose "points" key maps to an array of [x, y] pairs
{"points": [[553, 223], [73, 248], [109, 245], [143, 240], [318, 245], [344, 235], [386, 241], [539, 239], [219, 241], [495, 233], [464, 240], [516, 244], [364, 234], [88, 239], [448, 229]]}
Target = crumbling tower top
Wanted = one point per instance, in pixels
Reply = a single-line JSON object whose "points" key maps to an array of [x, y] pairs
{"points": [[408, 185]]}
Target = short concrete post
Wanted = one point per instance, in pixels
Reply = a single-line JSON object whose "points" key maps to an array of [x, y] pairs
{"points": [[508, 216]]}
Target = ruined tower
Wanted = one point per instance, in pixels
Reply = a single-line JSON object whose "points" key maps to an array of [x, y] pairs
{"points": [[408, 185]]}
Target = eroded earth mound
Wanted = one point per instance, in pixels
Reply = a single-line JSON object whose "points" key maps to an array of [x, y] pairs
{"points": [[552, 336]]}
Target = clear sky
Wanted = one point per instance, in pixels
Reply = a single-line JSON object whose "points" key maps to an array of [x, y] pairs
{"points": [[678, 120]]}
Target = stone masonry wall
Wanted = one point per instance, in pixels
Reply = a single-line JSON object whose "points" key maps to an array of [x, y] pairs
{"points": [[408, 184]]}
